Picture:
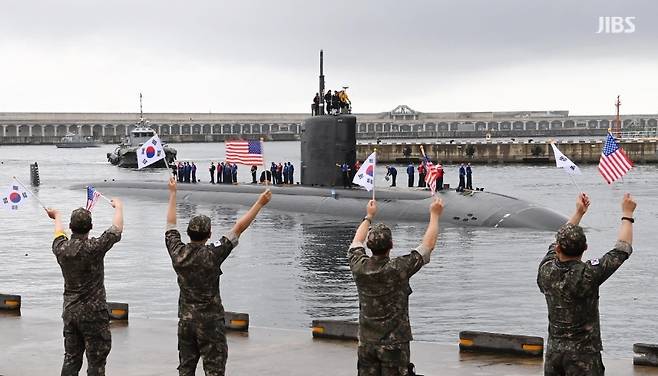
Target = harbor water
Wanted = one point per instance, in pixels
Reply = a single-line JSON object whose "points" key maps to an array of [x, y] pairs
{"points": [[291, 268]]}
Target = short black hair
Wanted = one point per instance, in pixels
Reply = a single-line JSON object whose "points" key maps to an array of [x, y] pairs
{"points": [[80, 221], [198, 236], [80, 229]]}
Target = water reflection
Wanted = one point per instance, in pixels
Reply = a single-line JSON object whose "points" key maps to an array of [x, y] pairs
{"points": [[326, 285]]}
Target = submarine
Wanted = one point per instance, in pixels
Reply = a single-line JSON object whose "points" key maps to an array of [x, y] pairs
{"points": [[328, 140]]}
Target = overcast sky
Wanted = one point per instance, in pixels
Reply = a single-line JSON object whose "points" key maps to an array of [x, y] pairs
{"points": [[262, 56]]}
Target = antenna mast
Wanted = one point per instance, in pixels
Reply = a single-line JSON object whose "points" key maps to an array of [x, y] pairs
{"points": [[141, 114], [321, 83]]}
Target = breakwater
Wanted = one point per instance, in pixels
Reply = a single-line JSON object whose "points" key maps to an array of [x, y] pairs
{"points": [[485, 152]]}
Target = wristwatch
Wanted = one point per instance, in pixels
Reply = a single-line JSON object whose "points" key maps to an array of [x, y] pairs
{"points": [[630, 219], [366, 218]]}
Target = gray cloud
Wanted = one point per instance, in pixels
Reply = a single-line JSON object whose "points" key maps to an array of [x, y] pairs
{"points": [[413, 45]]}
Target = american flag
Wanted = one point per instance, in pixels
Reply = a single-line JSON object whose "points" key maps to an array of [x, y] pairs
{"points": [[244, 152], [431, 174], [613, 163], [92, 197]]}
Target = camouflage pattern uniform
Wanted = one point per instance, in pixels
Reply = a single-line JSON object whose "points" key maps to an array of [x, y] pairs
{"points": [[200, 310], [383, 286], [85, 314], [572, 295]]}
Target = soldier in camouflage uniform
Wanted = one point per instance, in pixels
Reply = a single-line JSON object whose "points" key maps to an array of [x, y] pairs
{"points": [[571, 288], [85, 314], [197, 264], [383, 286]]}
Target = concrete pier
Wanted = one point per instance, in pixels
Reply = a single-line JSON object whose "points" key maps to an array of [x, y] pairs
{"points": [[33, 345], [583, 151], [400, 122]]}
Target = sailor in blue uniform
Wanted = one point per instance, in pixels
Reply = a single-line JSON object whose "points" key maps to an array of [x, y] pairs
{"points": [[462, 175], [345, 170], [410, 172], [469, 177], [393, 173]]}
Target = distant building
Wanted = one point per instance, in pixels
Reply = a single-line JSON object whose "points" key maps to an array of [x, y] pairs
{"points": [[401, 122]]}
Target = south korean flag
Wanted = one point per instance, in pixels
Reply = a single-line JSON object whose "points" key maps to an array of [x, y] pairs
{"points": [[365, 177], [15, 196], [565, 163], [150, 152]]}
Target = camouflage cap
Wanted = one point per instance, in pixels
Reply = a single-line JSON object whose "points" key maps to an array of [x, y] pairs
{"points": [[571, 239], [199, 223], [379, 238], [81, 220]]}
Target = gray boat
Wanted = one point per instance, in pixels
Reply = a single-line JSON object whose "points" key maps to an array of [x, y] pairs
{"points": [[75, 141], [125, 155]]}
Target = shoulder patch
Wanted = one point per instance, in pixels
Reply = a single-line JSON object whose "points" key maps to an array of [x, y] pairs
{"points": [[217, 243], [595, 261]]}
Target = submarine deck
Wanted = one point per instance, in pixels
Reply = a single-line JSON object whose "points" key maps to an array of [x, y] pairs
{"points": [[33, 345], [471, 208]]}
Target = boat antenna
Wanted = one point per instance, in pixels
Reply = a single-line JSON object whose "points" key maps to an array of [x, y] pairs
{"points": [[141, 114], [618, 119], [321, 83]]}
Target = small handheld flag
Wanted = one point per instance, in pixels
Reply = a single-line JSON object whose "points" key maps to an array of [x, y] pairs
{"points": [[15, 196], [92, 197], [562, 161], [613, 163], [365, 177], [150, 152], [244, 152], [431, 171]]}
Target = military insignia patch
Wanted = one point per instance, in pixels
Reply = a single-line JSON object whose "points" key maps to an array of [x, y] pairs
{"points": [[595, 261]]}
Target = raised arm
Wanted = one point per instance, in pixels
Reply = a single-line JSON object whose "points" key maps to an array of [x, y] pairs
{"points": [[250, 215], [582, 204], [362, 230], [432, 232], [626, 228], [117, 220], [171, 207], [54, 214]]}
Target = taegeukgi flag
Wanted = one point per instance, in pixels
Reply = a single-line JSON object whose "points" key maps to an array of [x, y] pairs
{"points": [[365, 177]]}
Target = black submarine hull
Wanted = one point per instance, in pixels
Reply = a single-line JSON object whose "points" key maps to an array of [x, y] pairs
{"points": [[470, 208]]}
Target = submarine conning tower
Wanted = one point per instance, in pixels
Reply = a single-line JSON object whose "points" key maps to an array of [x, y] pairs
{"points": [[327, 141]]}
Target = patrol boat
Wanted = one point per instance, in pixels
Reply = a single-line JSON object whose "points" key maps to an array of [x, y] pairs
{"points": [[125, 155], [75, 141], [330, 140]]}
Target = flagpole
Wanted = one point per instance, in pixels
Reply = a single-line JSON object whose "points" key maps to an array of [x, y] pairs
{"points": [[374, 167], [32, 193], [576, 184], [262, 152]]}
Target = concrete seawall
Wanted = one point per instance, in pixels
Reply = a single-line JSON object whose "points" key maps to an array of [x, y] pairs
{"points": [[585, 151]]}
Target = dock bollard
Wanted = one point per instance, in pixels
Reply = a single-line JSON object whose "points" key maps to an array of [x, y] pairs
{"points": [[35, 180], [236, 321], [337, 329], [10, 302], [118, 311], [500, 343], [645, 354]]}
